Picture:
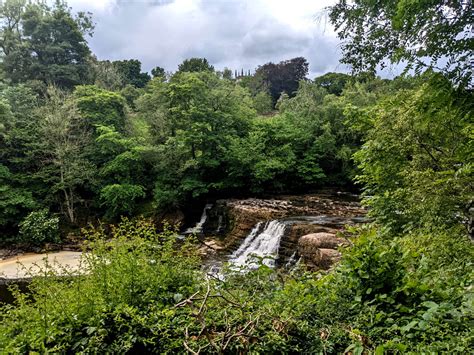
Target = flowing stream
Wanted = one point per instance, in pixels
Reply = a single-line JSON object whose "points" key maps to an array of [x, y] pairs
{"points": [[198, 228], [262, 243]]}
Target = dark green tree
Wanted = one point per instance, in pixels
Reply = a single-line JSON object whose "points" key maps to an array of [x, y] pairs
{"points": [[18, 137], [195, 65], [131, 72], [334, 83], [283, 77], [44, 43], [158, 72], [420, 34]]}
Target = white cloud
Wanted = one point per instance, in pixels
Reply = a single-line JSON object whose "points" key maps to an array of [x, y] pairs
{"points": [[230, 33], [97, 6]]}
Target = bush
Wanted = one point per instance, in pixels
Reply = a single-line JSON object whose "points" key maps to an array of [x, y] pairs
{"points": [[39, 228], [123, 301], [141, 291]]}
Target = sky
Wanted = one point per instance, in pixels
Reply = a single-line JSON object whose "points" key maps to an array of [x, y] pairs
{"points": [[237, 34]]}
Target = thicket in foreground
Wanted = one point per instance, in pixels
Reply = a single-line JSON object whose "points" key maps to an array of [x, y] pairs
{"points": [[140, 291]]}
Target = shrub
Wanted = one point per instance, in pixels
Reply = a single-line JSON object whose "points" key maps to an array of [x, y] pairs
{"points": [[141, 291], [122, 301], [39, 228]]}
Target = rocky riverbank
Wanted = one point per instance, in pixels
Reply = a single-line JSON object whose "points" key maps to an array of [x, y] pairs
{"points": [[307, 219]]}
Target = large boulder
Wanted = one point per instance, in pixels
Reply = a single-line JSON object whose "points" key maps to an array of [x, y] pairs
{"points": [[319, 249], [325, 258], [321, 240]]}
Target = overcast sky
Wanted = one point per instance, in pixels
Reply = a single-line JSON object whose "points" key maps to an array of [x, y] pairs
{"points": [[238, 34]]}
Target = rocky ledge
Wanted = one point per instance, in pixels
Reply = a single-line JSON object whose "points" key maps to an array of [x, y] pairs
{"points": [[243, 215], [320, 249]]}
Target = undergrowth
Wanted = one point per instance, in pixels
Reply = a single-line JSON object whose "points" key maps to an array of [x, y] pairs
{"points": [[141, 291]]}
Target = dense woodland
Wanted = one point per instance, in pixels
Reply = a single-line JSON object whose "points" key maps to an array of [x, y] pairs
{"points": [[85, 140]]}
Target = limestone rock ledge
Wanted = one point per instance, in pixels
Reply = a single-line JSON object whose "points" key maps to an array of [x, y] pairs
{"points": [[319, 250]]}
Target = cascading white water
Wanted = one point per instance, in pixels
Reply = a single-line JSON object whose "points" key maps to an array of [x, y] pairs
{"points": [[264, 244], [291, 261], [197, 229]]}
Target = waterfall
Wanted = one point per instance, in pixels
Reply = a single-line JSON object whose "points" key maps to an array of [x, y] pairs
{"points": [[291, 261], [197, 229], [261, 243]]}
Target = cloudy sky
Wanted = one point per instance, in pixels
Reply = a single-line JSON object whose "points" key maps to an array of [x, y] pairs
{"points": [[238, 34]]}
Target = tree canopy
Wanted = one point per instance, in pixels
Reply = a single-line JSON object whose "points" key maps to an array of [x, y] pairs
{"points": [[417, 34], [131, 72], [44, 43], [282, 77], [195, 65]]}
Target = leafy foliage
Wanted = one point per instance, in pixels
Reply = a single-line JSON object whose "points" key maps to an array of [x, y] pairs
{"points": [[39, 228], [101, 107], [131, 72], [419, 149], [43, 43], [334, 83], [140, 291], [194, 65], [426, 34], [405, 285], [127, 284], [282, 77], [14, 201]]}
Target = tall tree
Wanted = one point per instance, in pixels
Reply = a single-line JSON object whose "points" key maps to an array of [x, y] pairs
{"points": [[334, 83], [131, 72], [44, 43], [195, 65], [283, 77], [158, 72], [422, 34], [64, 136]]}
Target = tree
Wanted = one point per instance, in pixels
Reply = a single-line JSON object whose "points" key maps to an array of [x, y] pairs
{"points": [[100, 107], [334, 83], [158, 72], [416, 163], [44, 43], [15, 200], [18, 137], [192, 119], [131, 72], [64, 136], [125, 173], [283, 77], [106, 75], [263, 103], [421, 35], [227, 74], [195, 65]]}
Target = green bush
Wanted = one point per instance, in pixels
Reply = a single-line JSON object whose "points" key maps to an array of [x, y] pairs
{"points": [[120, 198], [141, 291], [39, 228], [122, 301]]}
